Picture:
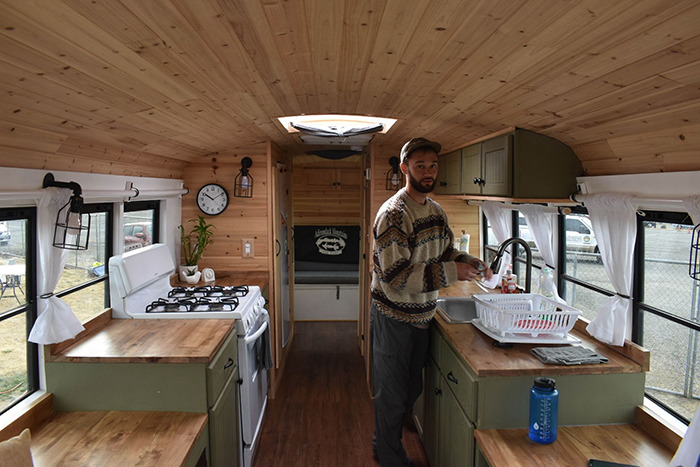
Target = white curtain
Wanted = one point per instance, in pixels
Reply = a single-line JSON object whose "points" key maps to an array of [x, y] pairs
{"points": [[688, 453], [55, 321], [540, 224], [615, 225], [692, 205], [500, 220]]}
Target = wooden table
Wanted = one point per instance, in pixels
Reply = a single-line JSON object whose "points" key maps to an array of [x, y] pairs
{"points": [[147, 439], [575, 445]]}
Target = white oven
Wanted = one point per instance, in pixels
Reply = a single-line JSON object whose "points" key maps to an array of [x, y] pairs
{"points": [[140, 288]]}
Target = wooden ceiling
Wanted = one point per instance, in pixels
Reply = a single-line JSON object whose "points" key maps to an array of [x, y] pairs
{"points": [[145, 86]]}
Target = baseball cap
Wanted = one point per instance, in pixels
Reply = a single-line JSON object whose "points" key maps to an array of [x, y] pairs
{"points": [[417, 143]]}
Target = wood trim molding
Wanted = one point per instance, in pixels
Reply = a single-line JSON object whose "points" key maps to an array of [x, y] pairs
{"points": [[91, 326], [480, 139], [631, 350], [29, 415], [654, 424]]}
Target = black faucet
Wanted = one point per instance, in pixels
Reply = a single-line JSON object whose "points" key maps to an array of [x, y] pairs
{"points": [[496, 263]]}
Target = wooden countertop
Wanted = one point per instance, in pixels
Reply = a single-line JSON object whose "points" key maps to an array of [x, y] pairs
{"points": [[149, 341], [486, 360], [575, 445], [107, 340], [146, 439]]}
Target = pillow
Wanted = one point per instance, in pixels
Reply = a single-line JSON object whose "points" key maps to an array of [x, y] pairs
{"points": [[15, 451]]}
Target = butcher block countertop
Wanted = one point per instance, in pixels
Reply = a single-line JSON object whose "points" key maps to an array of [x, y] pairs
{"points": [[147, 439], [486, 360], [107, 340], [575, 445]]}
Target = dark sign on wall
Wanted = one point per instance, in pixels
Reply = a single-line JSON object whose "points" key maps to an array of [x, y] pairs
{"points": [[327, 243]]}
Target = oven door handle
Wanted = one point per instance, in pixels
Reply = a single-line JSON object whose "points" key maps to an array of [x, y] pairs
{"points": [[250, 339]]}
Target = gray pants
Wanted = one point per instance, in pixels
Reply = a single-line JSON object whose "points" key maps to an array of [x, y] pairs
{"points": [[399, 352]]}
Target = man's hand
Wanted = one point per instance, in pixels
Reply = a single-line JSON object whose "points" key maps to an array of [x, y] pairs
{"points": [[469, 271]]}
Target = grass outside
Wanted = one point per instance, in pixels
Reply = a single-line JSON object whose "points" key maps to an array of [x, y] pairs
{"points": [[13, 331]]}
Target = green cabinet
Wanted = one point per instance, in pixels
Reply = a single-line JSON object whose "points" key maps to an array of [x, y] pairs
{"points": [[519, 164], [223, 426], [210, 388], [456, 432], [432, 391], [448, 180], [456, 402]]}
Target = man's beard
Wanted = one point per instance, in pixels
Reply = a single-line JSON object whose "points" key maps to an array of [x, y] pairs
{"points": [[418, 186]]}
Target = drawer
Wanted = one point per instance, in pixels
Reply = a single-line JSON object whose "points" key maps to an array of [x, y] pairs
{"points": [[221, 367], [459, 379], [435, 339]]}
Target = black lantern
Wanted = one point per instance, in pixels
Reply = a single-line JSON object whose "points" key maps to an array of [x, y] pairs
{"points": [[394, 177], [72, 230], [243, 187]]}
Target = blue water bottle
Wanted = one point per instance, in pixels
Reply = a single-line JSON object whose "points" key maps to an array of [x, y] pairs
{"points": [[544, 410]]}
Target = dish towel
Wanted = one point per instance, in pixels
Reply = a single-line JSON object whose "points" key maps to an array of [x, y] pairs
{"points": [[266, 344], [574, 355]]}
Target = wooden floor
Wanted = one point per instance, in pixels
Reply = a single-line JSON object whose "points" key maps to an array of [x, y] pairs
{"points": [[323, 415]]}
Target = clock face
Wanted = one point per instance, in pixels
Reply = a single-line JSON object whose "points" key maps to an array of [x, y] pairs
{"points": [[212, 199]]}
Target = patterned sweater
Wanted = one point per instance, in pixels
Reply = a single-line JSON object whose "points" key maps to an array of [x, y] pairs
{"points": [[413, 256]]}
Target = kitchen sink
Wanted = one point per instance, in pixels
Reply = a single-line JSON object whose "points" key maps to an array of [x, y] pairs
{"points": [[457, 310]]}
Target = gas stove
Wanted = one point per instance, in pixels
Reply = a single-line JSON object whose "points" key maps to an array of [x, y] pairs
{"points": [[140, 289]]}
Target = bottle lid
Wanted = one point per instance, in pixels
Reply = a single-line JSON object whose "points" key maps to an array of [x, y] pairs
{"points": [[545, 383]]}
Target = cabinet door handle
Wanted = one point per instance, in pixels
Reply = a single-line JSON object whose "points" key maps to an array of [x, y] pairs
{"points": [[451, 377], [476, 181], [438, 391], [229, 364], [443, 183], [279, 245]]}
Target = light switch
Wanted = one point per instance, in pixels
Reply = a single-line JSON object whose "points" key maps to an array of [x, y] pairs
{"points": [[248, 248]]}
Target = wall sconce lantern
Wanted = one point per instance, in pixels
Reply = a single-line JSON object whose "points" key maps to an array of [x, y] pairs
{"points": [[394, 177], [72, 230], [243, 187]]}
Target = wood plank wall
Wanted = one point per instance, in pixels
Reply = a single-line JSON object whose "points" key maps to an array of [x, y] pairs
{"points": [[460, 215], [317, 201], [244, 217]]}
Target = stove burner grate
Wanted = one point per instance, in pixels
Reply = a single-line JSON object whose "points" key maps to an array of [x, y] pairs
{"points": [[209, 291], [164, 305]]}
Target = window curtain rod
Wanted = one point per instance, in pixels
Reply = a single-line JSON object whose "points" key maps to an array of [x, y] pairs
{"points": [[650, 204], [133, 194], [515, 207]]}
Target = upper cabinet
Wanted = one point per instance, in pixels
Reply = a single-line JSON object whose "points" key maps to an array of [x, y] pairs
{"points": [[448, 179], [331, 178], [519, 164]]}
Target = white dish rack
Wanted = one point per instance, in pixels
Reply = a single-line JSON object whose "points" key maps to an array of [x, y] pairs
{"points": [[525, 318]]}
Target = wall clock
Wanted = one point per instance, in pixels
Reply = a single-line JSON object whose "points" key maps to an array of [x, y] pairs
{"points": [[212, 199]]}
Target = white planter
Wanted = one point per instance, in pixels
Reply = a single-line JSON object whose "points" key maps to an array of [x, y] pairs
{"points": [[193, 279], [182, 270]]}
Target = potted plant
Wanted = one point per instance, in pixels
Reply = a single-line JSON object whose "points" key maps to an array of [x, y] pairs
{"points": [[192, 275], [193, 245]]}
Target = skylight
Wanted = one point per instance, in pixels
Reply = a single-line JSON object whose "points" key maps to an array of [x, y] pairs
{"points": [[338, 124]]}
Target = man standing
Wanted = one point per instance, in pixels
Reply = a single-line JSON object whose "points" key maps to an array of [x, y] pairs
{"points": [[414, 258]]}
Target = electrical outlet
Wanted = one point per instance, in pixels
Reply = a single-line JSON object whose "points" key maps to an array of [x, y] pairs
{"points": [[247, 248]]}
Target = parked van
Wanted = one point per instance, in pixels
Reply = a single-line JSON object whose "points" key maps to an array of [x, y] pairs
{"points": [[579, 234], [4, 233]]}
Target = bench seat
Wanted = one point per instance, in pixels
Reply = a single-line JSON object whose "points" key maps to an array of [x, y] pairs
{"points": [[316, 272]]}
